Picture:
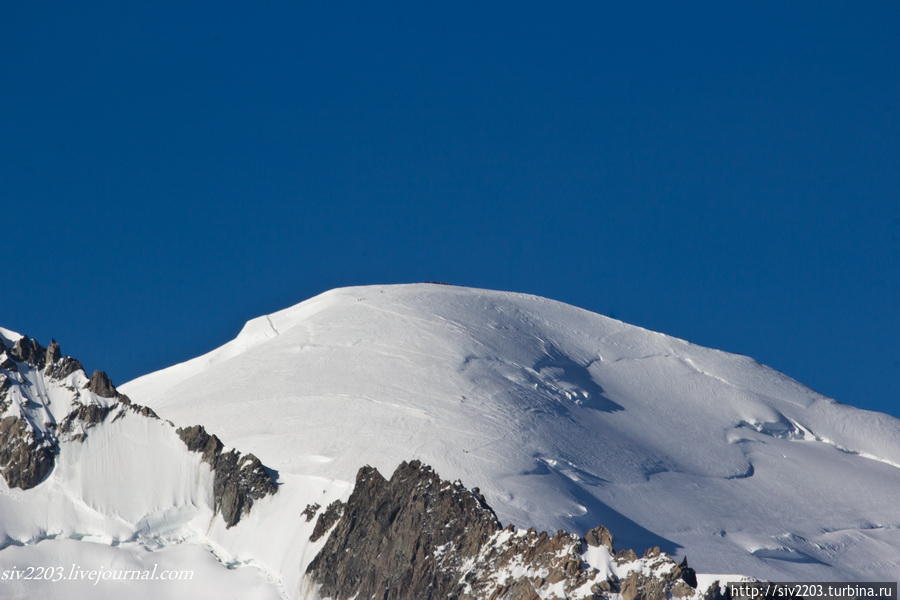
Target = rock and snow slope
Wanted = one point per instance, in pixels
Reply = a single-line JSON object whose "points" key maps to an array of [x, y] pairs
{"points": [[91, 480], [564, 419]]}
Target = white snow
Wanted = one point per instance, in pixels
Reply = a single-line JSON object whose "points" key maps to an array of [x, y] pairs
{"points": [[564, 419]]}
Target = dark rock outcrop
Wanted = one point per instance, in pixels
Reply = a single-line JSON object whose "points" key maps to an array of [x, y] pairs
{"points": [[57, 366], [310, 511], [84, 416], [25, 458], [63, 367], [238, 479], [5, 384], [599, 536], [29, 351], [326, 520], [101, 385], [416, 536], [53, 353], [29, 446], [384, 544], [198, 440]]}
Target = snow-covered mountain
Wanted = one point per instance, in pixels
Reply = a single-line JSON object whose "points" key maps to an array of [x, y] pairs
{"points": [[563, 418]]}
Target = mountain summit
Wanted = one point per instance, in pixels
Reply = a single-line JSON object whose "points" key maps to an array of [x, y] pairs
{"points": [[564, 419], [418, 439]]}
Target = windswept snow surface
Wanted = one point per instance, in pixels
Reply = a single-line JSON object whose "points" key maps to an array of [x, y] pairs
{"points": [[564, 419]]}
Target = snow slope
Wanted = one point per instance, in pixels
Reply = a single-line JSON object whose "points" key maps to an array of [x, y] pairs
{"points": [[126, 494], [564, 419]]}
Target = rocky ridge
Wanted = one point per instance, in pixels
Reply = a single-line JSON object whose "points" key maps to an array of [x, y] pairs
{"points": [[416, 536], [47, 401], [239, 478]]}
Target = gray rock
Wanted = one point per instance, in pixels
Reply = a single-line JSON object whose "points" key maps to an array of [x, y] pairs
{"points": [[101, 385], [53, 353], [385, 540], [326, 520], [416, 536], [626, 556], [310, 511], [238, 479], [25, 460], [58, 366], [599, 536], [85, 416], [28, 351], [198, 440]]}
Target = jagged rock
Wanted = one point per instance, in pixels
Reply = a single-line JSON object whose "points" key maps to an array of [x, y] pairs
{"points": [[27, 350], [310, 511], [63, 367], [416, 536], [53, 353], [198, 440], [87, 416], [599, 536], [238, 479], [685, 573], [144, 411], [681, 589], [25, 459], [638, 586], [326, 520], [4, 387], [28, 449], [385, 540], [101, 385], [626, 556]]}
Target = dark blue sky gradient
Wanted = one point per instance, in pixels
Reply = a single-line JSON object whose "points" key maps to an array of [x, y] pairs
{"points": [[727, 173]]}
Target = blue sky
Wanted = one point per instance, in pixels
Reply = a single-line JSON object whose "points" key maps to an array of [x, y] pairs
{"points": [[727, 173]]}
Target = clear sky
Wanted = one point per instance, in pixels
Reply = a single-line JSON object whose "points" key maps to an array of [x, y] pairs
{"points": [[724, 172]]}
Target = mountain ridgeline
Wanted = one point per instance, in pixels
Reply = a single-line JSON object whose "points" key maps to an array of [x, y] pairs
{"points": [[321, 454], [411, 537], [33, 433]]}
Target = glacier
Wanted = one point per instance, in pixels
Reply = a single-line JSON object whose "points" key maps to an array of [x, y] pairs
{"points": [[565, 419]]}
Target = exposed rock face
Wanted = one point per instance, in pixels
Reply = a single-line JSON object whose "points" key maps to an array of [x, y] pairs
{"points": [[63, 367], [599, 536], [85, 416], [385, 541], [25, 458], [310, 511], [101, 385], [53, 353], [239, 479], [4, 387], [30, 437], [326, 520], [416, 536], [57, 366], [28, 351]]}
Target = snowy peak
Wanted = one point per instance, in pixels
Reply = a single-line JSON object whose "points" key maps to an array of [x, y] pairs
{"points": [[564, 418]]}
